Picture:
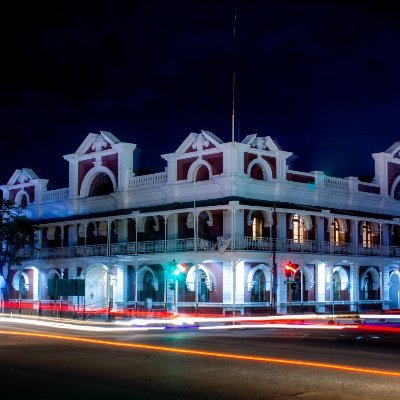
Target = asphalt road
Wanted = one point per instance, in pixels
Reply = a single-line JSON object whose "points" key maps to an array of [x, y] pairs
{"points": [[52, 368]]}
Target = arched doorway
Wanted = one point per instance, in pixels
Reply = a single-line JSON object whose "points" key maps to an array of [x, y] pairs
{"points": [[258, 292], [148, 286], [203, 291], [96, 288], [394, 287]]}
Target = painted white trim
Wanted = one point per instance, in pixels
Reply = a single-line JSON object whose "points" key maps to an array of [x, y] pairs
{"points": [[89, 177], [140, 275], [394, 185], [266, 270], [19, 195], [191, 278], [344, 277], [193, 169], [265, 167], [375, 278]]}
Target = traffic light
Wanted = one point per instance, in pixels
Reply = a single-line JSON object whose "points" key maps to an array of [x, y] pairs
{"points": [[179, 269], [171, 286], [289, 269]]}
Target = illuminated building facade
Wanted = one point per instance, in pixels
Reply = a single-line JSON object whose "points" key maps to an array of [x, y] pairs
{"points": [[233, 215]]}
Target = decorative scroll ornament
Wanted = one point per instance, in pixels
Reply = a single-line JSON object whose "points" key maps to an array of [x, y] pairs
{"points": [[200, 142], [260, 143], [99, 144], [223, 244]]}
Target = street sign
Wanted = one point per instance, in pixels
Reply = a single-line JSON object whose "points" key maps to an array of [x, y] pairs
{"points": [[66, 287], [288, 281]]}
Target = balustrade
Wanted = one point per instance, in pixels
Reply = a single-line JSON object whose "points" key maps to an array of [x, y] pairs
{"points": [[224, 243]]}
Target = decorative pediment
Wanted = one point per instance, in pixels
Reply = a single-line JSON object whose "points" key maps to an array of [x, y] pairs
{"points": [[21, 176], [261, 143], [199, 141], [394, 150], [95, 142]]}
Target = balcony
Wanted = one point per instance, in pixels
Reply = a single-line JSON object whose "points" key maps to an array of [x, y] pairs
{"points": [[129, 248], [224, 243]]}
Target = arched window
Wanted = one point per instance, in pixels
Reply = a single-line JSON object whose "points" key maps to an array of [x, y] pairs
{"points": [[203, 227], [396, 193], [256, 172], [335, 231], [202, 174], [258, 292], [298, 229], [256, 226], [148, 287], [336, 286], [101, 185], [24, 201], [202, 290], [368, 289], [149, 232], [366, 234], [22, 286]]}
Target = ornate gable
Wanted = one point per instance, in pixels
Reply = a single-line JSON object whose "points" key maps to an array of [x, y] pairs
{"points": [[199, 141], [394, 150], [21, 176], [95, 143], [261, 143]]}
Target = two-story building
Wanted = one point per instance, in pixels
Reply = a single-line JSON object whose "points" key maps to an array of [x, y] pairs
{"points": [[232, 214]]}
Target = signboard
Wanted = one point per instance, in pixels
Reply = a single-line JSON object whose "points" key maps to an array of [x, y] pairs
{"points": [[66, 287]]}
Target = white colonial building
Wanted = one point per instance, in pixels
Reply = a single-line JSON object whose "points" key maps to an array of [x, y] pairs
{"points": [[233, 214]]}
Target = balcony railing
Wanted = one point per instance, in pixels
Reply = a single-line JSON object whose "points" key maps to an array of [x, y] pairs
{"points": [[149, 247], [138, 182], [224, 243], [53, 195]]}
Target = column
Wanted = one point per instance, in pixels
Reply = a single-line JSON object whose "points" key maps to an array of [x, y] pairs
{"points": [[320, 287], [120, 294], [354, 288]]}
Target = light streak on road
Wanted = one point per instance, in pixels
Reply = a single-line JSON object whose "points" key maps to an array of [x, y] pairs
{"points": [[280, 326], [166, 325], [209, 354], [78, 327]]}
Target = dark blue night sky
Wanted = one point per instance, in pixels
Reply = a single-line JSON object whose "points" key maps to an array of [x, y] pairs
{"points": [[321, 77]]}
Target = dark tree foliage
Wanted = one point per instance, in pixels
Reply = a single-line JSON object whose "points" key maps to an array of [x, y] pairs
{"points": [[16, 239]]}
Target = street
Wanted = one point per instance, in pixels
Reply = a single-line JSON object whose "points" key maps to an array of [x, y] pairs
{"points": [[48, 367]]}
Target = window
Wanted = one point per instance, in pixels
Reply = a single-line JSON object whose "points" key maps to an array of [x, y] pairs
{"points": [[336, 286], [148, 288], [366, 234], [335, 238], [368, 292], [298, 229], [24, 201], [396, 193], [258, 292], [202, 174], [257, 173], [203, 229], [256, 227], [203, 291], [101, 185]]}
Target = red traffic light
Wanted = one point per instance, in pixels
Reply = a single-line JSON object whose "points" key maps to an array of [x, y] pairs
{"points": [[289, 269]]}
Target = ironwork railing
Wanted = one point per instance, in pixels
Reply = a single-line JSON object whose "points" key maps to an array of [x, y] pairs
{"points": [[224, 243]]}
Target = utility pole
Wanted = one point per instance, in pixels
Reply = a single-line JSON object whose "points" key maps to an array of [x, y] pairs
{"points": [[274, 267]]}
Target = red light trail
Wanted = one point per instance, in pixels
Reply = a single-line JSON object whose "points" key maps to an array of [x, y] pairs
{"points": [[210, 354]]}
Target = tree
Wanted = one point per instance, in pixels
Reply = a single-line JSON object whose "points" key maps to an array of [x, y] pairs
{"points": [[16, 240]]}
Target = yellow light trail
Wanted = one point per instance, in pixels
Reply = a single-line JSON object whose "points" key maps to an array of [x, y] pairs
{"points": [[208, 353]]}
